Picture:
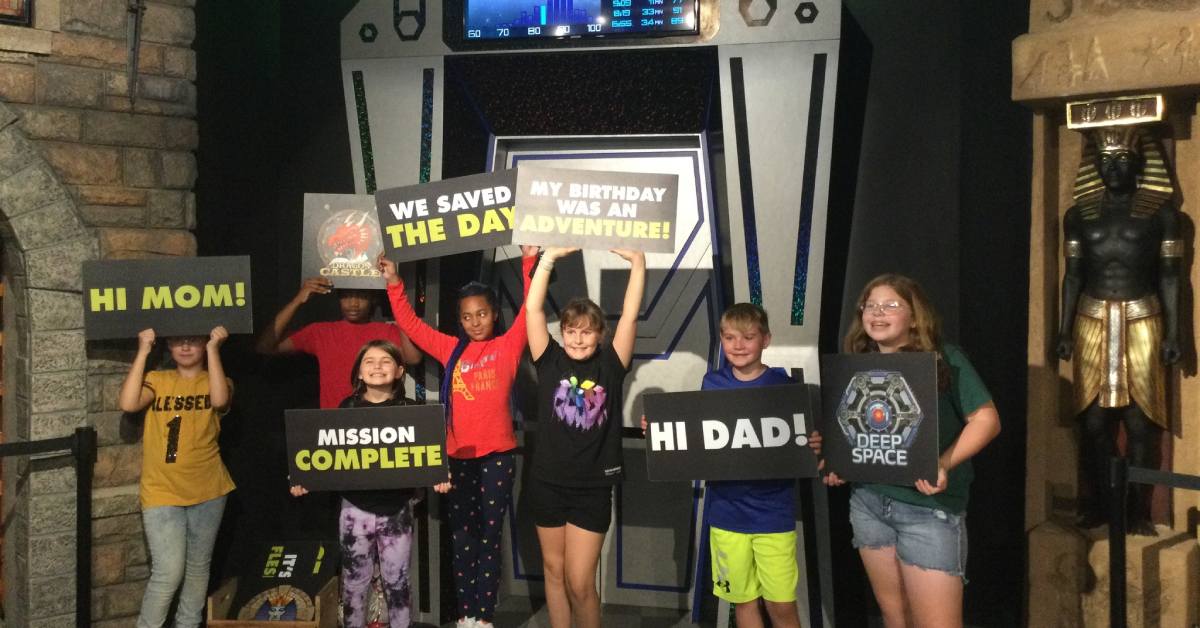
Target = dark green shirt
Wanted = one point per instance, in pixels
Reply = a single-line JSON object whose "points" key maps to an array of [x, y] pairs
{"points": [[965, 395]]}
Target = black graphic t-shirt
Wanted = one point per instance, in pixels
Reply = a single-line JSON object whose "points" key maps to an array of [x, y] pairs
{"points": [[379, 502], [579, 417]]}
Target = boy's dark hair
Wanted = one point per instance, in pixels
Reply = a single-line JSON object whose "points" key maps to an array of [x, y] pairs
{"points": [[743, 315], [391, 349]]}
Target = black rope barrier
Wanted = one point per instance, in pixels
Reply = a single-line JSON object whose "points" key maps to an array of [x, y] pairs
{"points": [[1120, 476], [81, 446]]}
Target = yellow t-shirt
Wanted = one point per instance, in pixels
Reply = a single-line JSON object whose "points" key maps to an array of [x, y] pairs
{"points": [[181, 464]]}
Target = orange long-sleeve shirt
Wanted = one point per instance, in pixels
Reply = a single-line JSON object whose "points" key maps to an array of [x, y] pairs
{"points": [[483, 376]]}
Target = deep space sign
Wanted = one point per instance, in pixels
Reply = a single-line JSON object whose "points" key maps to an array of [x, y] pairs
{"points": [[880, 416]]}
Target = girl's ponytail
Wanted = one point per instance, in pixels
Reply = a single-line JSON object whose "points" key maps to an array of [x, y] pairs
{"points": [[447, 387]]}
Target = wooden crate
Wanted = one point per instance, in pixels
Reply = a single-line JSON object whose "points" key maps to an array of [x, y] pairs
{"points": [[325, 607]]}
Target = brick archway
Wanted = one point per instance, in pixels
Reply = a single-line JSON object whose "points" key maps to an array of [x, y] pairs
{"points": [[45, 241]]}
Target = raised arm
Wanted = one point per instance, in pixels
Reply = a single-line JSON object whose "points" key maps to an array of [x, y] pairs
{"points": [[535, 300], [134, 396], [426, 338], [218, 386], [269, 342], [408, 351], [626, 332], [515, 337]]}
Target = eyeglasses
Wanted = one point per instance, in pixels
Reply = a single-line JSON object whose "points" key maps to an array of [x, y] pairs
{"points": [[885, 307]]}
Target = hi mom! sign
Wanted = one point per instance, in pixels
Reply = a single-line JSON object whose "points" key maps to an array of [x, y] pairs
{"points": [[174, 296], [740, 434]]}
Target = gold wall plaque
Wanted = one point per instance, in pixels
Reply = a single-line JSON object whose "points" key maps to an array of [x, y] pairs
{"points": [[1115, 111]]}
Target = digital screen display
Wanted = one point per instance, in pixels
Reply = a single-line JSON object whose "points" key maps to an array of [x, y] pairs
{"points": [[522, 19]]}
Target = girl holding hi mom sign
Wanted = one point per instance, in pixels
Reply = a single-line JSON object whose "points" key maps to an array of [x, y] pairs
{"points": [[480, 367], [184, 483]]}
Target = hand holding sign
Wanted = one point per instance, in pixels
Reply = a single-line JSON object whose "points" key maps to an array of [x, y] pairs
{"points": [[388, 269], [145, 341], [627, 254], [925, 487], [554, 253], [311, 286], [217, 337]]}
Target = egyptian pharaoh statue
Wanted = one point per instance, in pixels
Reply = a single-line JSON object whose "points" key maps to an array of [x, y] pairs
{"points": [[1120, 307]]}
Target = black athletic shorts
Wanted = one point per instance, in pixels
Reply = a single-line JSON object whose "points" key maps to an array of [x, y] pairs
{"points": [[552, 505]]}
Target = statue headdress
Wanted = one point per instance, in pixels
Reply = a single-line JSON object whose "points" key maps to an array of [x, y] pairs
{"points": [[1121, 127]]}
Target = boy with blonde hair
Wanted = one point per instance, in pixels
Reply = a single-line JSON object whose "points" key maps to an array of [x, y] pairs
{"points": [[752, 523]]}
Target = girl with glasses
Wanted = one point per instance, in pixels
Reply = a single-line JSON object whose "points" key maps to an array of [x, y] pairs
{"points": [[184, 483], [913, 539]]}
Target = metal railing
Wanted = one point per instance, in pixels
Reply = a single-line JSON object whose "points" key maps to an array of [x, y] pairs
{"points": [[82, 446], [1120, 476]]}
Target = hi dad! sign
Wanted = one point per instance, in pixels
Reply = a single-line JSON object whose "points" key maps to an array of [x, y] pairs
{"points": [[741, 434]]}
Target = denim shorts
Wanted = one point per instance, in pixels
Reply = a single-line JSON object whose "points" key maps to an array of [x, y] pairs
{"points": [[928, 538]]}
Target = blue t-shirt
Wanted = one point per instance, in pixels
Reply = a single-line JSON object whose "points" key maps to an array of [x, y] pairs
{"points": [[750, 506]]}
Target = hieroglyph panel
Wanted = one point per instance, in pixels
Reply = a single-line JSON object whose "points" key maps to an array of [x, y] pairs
{"points": [[1153, 54]]}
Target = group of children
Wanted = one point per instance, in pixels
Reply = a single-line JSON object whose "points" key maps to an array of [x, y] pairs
{"points": [[912, 540]]}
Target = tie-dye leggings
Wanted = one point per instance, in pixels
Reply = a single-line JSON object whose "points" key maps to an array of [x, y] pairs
{"points": [[367, 537], [482, 489]]}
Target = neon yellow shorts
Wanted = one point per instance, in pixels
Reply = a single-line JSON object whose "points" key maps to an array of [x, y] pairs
{"points": [[749, 566]]}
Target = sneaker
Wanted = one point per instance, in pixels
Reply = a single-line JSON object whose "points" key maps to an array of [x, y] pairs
{"points": [[466, 622]]}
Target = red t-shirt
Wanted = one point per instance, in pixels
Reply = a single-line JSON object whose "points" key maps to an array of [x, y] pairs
{"points": [[335, 345], [483, 376]]}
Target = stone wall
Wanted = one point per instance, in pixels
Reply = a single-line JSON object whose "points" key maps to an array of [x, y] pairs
{"points": [[84, 173]]}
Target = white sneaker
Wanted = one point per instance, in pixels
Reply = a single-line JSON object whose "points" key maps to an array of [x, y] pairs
{"points": [[466, 622]]}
